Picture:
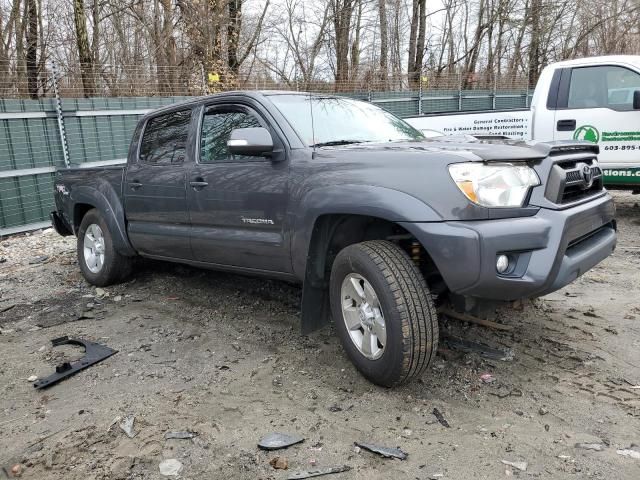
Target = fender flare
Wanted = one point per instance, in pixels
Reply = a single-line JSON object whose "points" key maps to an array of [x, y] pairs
{"points": [[374, 201], [106, 200]]}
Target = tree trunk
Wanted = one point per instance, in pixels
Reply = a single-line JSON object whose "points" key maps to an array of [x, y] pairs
{"points": [[233, 34], [32, 48], [384, 42], [84, 50], [534, 46]]}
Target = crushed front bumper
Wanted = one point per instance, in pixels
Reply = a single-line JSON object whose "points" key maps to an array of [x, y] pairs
{"points": [[548, 250]]}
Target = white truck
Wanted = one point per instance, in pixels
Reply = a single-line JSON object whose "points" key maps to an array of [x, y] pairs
{"points": [[595, 99]]}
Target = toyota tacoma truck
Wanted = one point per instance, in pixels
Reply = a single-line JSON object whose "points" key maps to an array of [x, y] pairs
{"points": [[376, 222], [596, 99]]}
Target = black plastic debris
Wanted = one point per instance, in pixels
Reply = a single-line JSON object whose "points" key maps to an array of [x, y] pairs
{"points": [[384, 451], [94, 353], [276, 441], [186, 435], [317, 472], [441, 418]]}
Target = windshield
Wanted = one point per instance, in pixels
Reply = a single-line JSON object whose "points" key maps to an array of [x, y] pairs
{"points": [[339, 121]]}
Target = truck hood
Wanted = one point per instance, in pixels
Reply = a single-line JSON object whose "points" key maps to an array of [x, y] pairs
{"points": [[483, 149]]}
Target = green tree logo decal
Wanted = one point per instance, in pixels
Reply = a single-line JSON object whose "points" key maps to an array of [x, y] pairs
{"points": [[588, 133]]}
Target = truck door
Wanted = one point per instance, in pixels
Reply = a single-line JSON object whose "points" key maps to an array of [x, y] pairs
{"points": [[238, 204], [596, 104], [155, 188]]}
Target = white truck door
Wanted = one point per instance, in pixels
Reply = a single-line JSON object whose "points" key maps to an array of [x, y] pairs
{"points": [[595, 103]]}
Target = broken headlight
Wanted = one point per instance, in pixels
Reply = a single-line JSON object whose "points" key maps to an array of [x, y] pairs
{"points": [[494, 185]]}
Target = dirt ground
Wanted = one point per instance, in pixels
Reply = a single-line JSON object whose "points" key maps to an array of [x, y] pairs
{"points": [[221, 355]]}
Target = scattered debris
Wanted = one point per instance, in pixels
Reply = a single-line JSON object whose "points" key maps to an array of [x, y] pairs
{"points": [[94, 353], [598, 447], [32, 378], [317, 472], [170, 467], [127, 426], [627, 452], [180, 435], [468, 346], [471, 319], [487, 378], [441, 418], [279, 463], [16, 470], [275, 441], [384, 451], [522, 466], [39, 259]]}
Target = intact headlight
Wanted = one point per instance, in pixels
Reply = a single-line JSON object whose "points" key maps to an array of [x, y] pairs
{"points": [[501, 185]]}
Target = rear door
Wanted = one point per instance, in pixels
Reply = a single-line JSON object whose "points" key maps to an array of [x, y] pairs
{"points": [[596, 104], [155, 187], [237, 204]]}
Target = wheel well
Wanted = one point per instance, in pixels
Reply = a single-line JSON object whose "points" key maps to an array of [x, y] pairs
{"points": [[332, 233], [79, 211]]}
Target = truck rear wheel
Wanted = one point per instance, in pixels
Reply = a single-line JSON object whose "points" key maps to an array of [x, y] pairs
{"points": [[99, 262], [383, 312]]}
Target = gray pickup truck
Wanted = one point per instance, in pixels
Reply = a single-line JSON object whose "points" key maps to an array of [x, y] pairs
{"points": [[376, 222]]}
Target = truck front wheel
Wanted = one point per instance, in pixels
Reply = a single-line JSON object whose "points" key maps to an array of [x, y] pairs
{"points": [[383, 312], [100, 263]]}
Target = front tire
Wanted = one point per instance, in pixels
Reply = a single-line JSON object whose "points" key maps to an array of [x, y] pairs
{"points": [[383, 312], [100, 263]]}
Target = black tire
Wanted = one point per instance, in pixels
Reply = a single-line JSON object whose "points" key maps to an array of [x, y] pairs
{"points": [[409, 314], [115, 267]]}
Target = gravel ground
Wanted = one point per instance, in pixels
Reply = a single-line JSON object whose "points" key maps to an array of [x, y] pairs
{"points": [[221, 355]]}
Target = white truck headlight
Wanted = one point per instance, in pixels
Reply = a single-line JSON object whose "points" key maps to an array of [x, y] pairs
{"points": [[494, 185]]}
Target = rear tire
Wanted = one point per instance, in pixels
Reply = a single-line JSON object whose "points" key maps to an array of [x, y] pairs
{"points": [[100, 263], [383, 312]]}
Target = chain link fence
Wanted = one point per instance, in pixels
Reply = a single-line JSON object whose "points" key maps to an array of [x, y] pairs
{"points": [[72, 117]]}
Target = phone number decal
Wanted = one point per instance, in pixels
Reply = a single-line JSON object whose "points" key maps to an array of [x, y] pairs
{"points": [[622, 147]]}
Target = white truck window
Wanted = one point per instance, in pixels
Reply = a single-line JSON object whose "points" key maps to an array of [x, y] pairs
{"points": [[605, 86]]}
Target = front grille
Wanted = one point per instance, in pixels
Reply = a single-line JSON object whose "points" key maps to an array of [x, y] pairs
{"points": [[569, 181]]}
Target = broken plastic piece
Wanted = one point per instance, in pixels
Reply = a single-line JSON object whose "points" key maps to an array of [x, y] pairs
{"points": [[384, 451], [275, 441], [94, 353], [317, 472]]}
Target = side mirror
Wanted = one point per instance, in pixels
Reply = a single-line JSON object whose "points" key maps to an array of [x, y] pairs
{"points": [[636, 100], [254, 142]]}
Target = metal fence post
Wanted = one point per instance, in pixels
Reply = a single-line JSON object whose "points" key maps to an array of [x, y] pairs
{"points": [[61, 130], [420, 93], [495, 88], [204, 80], [459, 92]]}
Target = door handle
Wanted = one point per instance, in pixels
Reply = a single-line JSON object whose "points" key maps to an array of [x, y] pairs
{"points": [[135, 185], [198, 183], [566, 125]]}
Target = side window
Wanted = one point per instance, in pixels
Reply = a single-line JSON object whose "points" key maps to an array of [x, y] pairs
{"points": [[603, 87], [164, 141], [216, 130]]}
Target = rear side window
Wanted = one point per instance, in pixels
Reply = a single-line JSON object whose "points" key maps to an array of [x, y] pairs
{"points": [[164, 141], [604, 86]]}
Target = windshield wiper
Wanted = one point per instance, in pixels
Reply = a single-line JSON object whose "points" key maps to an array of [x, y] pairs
{"points": [[338, 142]]}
